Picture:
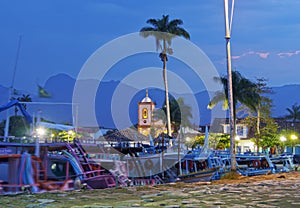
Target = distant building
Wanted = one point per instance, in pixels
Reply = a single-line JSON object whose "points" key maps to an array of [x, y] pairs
{"points": [[146, 119], [243, 135], [145, 114]]}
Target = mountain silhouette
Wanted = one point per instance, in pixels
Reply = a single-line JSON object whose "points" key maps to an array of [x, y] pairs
{"points": [[119, 110]]}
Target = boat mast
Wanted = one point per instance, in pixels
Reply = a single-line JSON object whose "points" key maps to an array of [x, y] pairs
{"points": [[230, 88], [10, 90]]}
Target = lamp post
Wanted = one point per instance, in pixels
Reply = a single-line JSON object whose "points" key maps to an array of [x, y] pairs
{"points": [[283, 139], [293, 137], [40, 133], [52, 136], [237, 139]]}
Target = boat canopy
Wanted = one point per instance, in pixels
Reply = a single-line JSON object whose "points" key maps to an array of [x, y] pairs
{"points": [[56, 126]]}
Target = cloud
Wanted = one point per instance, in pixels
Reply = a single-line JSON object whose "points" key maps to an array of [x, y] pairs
{"points": [[260, 54], [265, 55], [288, 54], [235, 57]]}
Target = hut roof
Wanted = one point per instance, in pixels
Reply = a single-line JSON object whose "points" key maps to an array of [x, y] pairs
{"points": [[128, 134]]}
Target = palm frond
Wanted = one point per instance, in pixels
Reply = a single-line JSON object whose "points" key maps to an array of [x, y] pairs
{"points": [[148, 31], [153, 22], [164, 30], [178, 31], [218, 97]]}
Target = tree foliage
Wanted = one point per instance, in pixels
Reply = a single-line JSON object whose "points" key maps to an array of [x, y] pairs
{"points": [[23, 98], [164, 31], [258, 117], [216, 141], [293, 113], [179, 111], [292, 138], [244, 92], [269, 134], [18, 127]]}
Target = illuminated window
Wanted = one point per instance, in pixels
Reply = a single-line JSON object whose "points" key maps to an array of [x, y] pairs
{"points": [[145, 113]]}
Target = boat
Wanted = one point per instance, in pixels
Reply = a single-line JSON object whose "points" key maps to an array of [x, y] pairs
{"points": [[254, 164], [22, 170], [248, 164], [170, 164], [90, 166], [195, 168], [283, 163], [200, 164], [152, 167]]}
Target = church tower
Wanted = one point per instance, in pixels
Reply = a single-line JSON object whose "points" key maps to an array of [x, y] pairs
{"points": [[145, 114]]}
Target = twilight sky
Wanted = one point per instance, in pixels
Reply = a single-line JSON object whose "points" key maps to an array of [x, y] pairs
{"points": [[58, 36]]}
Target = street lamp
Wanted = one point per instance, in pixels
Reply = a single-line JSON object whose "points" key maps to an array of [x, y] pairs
{"points": [[40, 131], [282, 138], [294, 137]]}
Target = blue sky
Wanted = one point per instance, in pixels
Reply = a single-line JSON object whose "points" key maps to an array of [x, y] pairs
{"points": [[58, 36]]}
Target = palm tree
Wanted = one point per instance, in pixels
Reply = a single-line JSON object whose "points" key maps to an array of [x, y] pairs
{"points": [[294, 113], [180, 113], [244, 92], [24, 98], [164, 31], [263, 110]]}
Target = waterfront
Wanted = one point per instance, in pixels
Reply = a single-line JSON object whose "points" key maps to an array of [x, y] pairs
{"points": [[278, 190]]}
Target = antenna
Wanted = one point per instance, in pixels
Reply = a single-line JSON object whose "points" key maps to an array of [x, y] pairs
{"points": [[16, 62], [11, 89], [231, 15]]}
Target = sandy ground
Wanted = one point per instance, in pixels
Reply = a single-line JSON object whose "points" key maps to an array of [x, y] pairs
{"points": [[167, 195]]}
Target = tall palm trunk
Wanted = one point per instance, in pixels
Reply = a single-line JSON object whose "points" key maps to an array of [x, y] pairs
{"points": [[164, 31], [167, 94]]}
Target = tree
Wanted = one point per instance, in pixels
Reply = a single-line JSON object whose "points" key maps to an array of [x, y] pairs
{"points": [[66, 136], [24, 98], [288, 135], [164, 31], [269, 134], [216, 141], [244, 92], [180, 113], [293, 113], [18, 127], [258, 117]]}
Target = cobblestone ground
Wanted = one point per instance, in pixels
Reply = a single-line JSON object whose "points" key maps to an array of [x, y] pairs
{"points": [[265, 191]]}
